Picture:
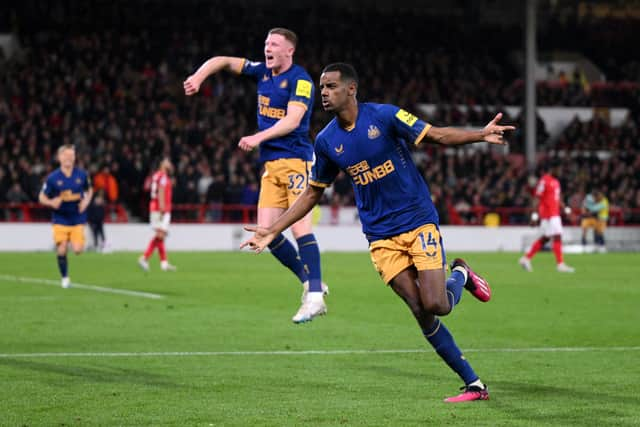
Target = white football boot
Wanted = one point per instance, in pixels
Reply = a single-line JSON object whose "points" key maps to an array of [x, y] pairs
{"points": [[564, 268], [143, 263], [305, 290], [525, 263], [313, 306], [165, 266]]}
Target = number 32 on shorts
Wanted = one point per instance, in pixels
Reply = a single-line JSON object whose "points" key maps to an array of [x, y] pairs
{"points": [[296, 182]]}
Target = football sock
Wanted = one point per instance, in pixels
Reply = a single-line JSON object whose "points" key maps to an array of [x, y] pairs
{"points": [[599, 239], [537, 245], [62, 265], [150, 248], [310, 254], [442, 341], [286, 253], [161, 250], [477, 383], [455, 284], [557, 249]]}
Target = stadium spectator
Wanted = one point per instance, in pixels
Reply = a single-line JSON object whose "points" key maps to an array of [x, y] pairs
{"points": [[105, 181]]}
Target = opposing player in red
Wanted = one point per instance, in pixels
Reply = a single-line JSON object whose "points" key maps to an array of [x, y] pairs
{"points": [[159, 215], [548, 203]]}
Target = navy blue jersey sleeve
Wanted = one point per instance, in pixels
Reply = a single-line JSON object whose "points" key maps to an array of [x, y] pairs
{"points": [[302, 91], [405, 124], [48, 188], [253, 69], [323, 171]]}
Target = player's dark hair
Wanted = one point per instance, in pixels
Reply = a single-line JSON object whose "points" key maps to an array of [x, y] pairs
{"points": [[347, 72], [550, 164], [286, 33]]}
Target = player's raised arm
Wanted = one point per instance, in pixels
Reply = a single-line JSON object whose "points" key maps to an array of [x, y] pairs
{"points": [[213, 65], [492, 133], [264, 235]]}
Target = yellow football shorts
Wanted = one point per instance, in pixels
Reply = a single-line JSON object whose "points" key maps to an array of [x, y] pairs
{"points": [[421, 247], [598, 225], [68, 233], [283, 181]]}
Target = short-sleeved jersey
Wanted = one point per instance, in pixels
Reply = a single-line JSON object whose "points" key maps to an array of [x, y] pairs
{"points": [[548, 192], [275, 93], [391, 195], [72, 189], [160, 180]]}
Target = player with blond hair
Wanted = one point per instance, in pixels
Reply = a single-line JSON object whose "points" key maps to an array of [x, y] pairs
{"points": [[285, 101], [67, 191]]}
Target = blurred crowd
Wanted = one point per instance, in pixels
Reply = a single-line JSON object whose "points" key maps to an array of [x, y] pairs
{"points": [[107, 77]]}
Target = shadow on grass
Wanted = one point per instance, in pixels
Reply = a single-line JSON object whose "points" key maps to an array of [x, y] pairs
{"points": [[548, 405], [107, 375]]}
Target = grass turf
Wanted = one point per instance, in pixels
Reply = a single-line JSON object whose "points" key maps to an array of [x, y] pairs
{"points": [[556, 349]]}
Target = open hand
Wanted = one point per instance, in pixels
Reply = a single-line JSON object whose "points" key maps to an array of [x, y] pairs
{"points": [[260, 239], [494, 133]]}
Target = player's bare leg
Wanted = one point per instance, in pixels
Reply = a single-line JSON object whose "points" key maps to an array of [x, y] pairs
{"points": [[409, 285]]}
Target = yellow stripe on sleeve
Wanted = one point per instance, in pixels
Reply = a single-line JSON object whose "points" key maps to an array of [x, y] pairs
{"points": [[239, 70], [318, 184], [422, 134], [301, 104]]}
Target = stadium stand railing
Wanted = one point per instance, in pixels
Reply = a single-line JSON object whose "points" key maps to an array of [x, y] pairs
{"points": [[35, 212], [197, 213]]}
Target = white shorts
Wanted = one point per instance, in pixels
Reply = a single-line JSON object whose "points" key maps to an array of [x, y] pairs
{"points": [[160, 221], [551, 226]]}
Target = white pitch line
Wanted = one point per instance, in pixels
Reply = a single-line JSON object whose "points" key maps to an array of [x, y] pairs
{"points": [[312, 352], [19, 279]]}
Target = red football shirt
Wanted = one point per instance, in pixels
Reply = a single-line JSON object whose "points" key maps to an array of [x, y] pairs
{"points": [[548, 192], [160, 180]]}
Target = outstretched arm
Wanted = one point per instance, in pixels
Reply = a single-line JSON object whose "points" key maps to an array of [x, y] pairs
{"points": [[264, 235], [192, 83], [492, 133]]}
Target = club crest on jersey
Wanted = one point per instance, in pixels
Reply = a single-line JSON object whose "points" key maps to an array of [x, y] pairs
{"points": [[284, 84], [339, 149], [373, 132], [59, 183], [265, 78], [78, 181]]}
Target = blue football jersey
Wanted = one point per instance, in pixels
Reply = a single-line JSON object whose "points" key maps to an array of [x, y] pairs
{"points": [[275, 93], [391, 195], [72, 189]]}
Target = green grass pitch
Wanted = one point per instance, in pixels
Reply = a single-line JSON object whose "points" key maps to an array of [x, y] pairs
{"points": [[220, 349]]}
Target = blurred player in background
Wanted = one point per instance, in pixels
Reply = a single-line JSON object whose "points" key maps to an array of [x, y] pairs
{"points": [[369, 142], [595, 217], [547, 205], [159, 215], [95, 217], [285, 100], [67, 191]]}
